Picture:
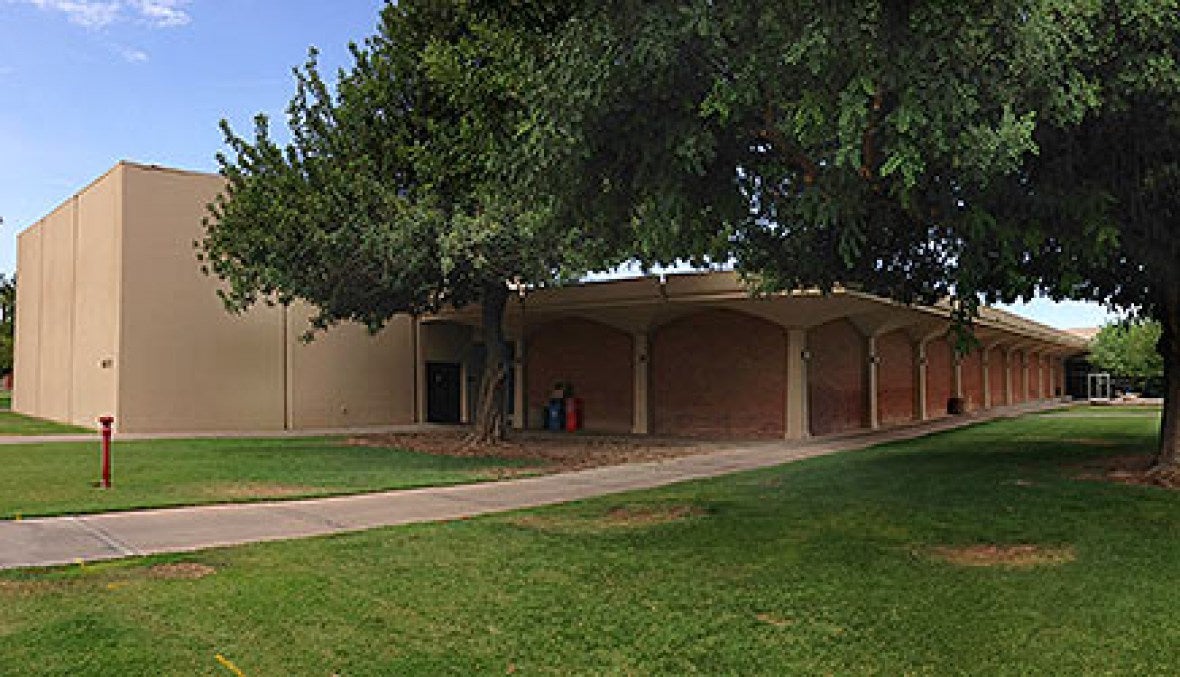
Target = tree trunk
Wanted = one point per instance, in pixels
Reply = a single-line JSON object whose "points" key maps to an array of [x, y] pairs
{"points": [[1168, 458], [490, 425]]}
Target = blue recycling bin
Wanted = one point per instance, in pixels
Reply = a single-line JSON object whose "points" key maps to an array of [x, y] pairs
{"points": [[555, 415]]}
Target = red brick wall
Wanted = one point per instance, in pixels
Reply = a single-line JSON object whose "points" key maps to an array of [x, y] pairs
{"points": [[938, 377], [1049, 376], [996, 376], [718, 373], [972, 371], [1017, 369], [595, 358], [1059, 389], [835, 378], [1046, 383], [895, 378]]}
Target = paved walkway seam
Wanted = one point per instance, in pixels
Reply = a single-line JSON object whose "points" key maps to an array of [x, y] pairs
{"points": [[106, 538]]}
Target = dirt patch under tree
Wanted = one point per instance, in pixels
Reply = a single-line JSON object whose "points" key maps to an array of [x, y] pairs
{"points": [[1133, 469], [629, 516], [554, 453], [1014, 556], [181, 571]]}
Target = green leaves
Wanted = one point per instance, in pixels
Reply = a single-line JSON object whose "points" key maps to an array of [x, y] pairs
{"points": [[399, 190], [1129, 350]]}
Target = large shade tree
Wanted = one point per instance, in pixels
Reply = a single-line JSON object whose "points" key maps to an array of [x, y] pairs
{"points": [[392, 195], [1118, 168], [918, 149]]}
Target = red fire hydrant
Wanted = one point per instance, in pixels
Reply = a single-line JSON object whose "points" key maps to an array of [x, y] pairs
{"points": [[107, 422]]}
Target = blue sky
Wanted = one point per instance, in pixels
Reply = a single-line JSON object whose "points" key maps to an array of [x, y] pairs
{"points": [[86, 83]]}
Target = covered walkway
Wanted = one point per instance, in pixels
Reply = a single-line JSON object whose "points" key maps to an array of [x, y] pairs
{"points": [[696, 355]]}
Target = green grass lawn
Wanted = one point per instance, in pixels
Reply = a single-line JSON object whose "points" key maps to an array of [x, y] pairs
{"points": [[826, 566], [12, 423], [48, 479], [16, 424]]}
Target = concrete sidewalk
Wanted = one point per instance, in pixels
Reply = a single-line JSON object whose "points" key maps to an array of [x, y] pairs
{"points": [[64, 540]]}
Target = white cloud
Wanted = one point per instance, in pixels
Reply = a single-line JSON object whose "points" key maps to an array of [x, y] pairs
{"points": [[162, 13], [86, 13], [96, 14], [132, 55]]}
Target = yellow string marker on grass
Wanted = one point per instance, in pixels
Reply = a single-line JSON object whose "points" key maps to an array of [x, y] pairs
{"points": [[229, 665]]}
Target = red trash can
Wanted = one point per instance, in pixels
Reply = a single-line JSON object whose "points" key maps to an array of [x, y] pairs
{"points": [[573, 414]]}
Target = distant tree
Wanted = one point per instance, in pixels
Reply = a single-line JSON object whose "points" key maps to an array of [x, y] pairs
{"points": [[394, 194], [7, 321], [1130, 351]]}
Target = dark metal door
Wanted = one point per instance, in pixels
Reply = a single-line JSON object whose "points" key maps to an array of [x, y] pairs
{"points": [[442, 392]]}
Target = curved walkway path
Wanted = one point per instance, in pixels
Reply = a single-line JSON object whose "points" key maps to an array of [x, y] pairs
{"points": [[65, 540]]}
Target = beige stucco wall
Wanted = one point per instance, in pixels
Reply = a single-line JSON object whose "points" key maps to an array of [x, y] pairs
{"points": [[115, 317], [184, 362], [93, 385], [27, 332], [446, 342], [347, 377], [57, 316], [66, 306]]}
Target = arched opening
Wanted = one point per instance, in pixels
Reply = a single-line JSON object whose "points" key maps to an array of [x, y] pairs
{"points": [[995, 374], [594, 359], [895, 378], [971, 368], [836, 378], [718, 373], [1022, 367], [939, 374]]}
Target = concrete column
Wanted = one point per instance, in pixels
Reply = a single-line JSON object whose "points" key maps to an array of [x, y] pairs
{"points": [[1064, 379], [464, 393], [920, 412], [520, 409], [641, 419], [1050, 377], [985, 370], [872, 368], [1024, 374], [1008, 393], [796, 425], [419, 373], [1035, 376], [1060, 383]]}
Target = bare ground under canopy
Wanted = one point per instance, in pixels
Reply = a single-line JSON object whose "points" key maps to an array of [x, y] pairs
{"points": [[1131, 469], [554, 452]]}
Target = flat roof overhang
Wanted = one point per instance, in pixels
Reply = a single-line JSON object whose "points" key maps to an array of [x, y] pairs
{"points": [[640, 305]]}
